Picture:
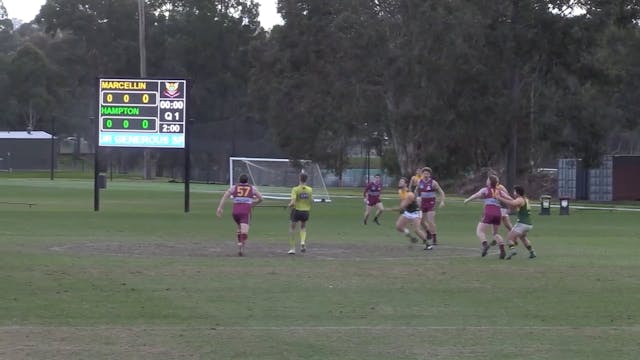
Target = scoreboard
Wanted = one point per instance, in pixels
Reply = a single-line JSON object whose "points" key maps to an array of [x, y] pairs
{"points": [[142, 113]]}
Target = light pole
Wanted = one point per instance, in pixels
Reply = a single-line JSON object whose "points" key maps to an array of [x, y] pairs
{"points": [[142, 44], [143, 73]]}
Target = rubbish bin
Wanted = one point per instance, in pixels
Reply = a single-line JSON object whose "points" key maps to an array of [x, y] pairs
{"points": [[564, 206], [102, 181], [545, 205]]}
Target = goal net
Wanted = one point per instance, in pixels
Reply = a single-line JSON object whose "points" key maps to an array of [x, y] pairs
{"points": [[275, 177]]}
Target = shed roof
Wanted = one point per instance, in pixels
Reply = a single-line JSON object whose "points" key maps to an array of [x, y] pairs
{"points": [[24, 135]]}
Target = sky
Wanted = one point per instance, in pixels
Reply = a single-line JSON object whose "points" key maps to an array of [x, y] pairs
{"points": [[26, 10]]}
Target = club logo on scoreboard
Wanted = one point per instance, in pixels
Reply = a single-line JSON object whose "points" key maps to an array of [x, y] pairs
{"points": [[172, 89]]}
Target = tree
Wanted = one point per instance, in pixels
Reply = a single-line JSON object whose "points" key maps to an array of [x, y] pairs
{"points": [[309, 82], [5, 22], [458, 85], [33, 91]]}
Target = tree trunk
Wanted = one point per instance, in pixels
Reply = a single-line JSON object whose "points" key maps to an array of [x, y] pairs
{"points": [[533, 152], [31, 118], [148, 167], [403, 141], [406, 148], [514, 119]]}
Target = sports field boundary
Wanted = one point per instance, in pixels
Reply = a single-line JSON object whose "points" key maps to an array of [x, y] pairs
{"points": [[199, 188], [579, 207], [319, 328]]}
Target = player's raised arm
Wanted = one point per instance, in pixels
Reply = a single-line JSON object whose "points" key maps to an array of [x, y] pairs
{"points": [[224, 198], [502, 191], [475, 196], [503, 197], [408, 199]]}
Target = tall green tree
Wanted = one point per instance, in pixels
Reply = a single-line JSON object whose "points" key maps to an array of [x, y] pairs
{"points": [[309, 82], [7, 47], [33, 87], [432, 55]]}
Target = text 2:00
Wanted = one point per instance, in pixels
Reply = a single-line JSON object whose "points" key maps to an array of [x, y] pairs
{"points": [[171, 104], [170, 128]]}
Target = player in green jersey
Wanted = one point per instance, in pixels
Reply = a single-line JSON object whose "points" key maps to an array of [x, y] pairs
{"points": [[523, 225], [410, 214], [300, 204]]}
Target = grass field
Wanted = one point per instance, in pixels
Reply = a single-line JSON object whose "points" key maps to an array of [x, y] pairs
{"points": [[143, 280]]}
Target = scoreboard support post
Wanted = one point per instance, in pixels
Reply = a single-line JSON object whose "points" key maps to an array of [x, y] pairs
{"points": [[96, 169], [187, 168]]}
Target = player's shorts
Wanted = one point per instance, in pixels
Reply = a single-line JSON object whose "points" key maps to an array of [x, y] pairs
{"points": [[373, 201], [492, 215], [521, 228], [299, 215], [428, 204], [504, 212], [412, 215], [241, 217]]}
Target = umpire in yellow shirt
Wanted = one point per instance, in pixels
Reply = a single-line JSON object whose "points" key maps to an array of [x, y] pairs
{"points": [[300, 205]]}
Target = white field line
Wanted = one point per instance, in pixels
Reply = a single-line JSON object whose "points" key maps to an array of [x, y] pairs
{"points": [[430, 255], [598, 208], [635, 327], [580, 207], [434, 257]]}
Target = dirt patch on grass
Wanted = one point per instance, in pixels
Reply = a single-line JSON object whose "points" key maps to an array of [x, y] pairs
{"points": [[331, 342], [34, 342], [256, 249]]}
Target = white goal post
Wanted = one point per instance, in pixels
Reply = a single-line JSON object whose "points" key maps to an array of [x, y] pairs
{"points": [[275, 177]]}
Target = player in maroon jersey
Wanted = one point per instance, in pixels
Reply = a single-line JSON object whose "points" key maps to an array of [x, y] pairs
{"points": [[492, 216], [371, 194], [504, 210], [426, 191], [245, 197]]}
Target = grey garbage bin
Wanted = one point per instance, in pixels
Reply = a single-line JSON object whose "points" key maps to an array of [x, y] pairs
{"points": [[545, 205], [564, 206], [102, 181]]}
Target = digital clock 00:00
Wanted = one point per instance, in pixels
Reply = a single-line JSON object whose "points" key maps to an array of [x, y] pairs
{"points": [[124, 124], [171, 104]]}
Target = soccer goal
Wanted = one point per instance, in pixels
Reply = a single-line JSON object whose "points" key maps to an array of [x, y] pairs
{"points": [[275, 177]]}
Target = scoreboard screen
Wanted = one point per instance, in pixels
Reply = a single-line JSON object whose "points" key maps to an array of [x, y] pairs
{"points": [[142, 113]]}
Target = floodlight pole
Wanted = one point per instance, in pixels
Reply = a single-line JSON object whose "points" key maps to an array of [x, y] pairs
{"points": [[142, 44], [143, 74]]}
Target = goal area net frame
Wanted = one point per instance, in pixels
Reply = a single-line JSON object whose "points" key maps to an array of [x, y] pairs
{"points": [[275, 182]]}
